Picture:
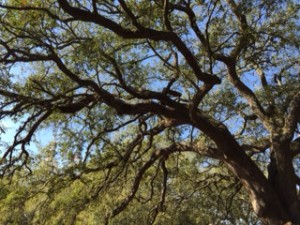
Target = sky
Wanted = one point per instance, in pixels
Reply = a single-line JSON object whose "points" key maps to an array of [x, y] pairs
{"points": [[43, 136]]}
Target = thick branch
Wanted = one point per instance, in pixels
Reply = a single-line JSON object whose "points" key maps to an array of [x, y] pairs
{"points": [[246, 36], [142, 32], [247, 93], [293, 117], [193, 22]]}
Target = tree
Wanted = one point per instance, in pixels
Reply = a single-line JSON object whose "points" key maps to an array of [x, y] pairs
{"points": [[128, 86], [52, 196]]}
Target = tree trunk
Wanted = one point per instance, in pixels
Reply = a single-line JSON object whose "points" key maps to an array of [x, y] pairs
{"points": [[268, 202], [264, 199], [282, 177], [274, 203]]}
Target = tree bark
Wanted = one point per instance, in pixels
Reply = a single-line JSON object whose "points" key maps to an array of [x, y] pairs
{"points": [[282, 177], [266, 201], [264, 198]]}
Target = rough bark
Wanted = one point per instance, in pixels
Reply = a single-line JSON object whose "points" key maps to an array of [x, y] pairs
{"points": [[282, 178], [264, 198]]}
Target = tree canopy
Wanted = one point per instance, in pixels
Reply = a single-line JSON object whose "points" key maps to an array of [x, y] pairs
{"points": [[161, 111]]}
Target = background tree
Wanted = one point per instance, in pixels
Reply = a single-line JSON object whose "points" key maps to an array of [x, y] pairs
{"points": [[195, 195], [129, 88]]}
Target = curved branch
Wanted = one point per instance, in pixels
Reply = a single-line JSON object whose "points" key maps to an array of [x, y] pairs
{"points": [[247, 93], [159, 207], [24, 141], [132, 17], [142, 32], [155, 155]]}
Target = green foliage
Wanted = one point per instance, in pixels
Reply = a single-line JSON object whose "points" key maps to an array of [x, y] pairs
{"points": [[158, 112], [196, 195]]}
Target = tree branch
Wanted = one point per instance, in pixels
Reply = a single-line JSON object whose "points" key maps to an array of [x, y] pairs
{"points": [[293, 117], [155, 155], [142, 32], [247, 93]]}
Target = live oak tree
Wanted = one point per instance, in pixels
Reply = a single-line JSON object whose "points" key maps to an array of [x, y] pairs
{"points": [[128, 86]]}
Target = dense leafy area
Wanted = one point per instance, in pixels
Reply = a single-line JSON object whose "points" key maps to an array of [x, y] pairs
{"points": [[52, 195]]}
